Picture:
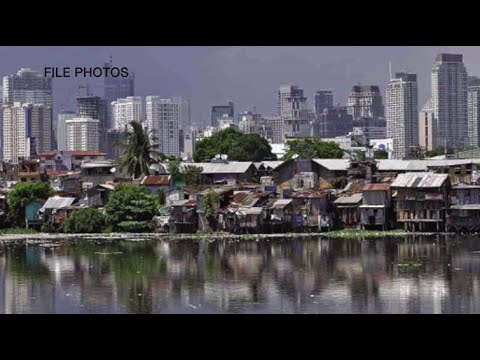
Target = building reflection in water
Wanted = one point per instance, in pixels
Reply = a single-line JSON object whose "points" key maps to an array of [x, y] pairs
{"points": [[403, 275]]}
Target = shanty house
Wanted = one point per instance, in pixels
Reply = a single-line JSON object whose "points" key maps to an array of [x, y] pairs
{"points": [[184, 216], [464, 212], [421, 200], [376, 209], [330, 169], [280, 171], [314, 207], [347, 210], [154, 183], [281, 215], [97, 196], [56, 209], [97, 172], [249, 219]]}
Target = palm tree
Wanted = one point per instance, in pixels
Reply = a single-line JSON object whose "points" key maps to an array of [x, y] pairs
{"points": [[139, 153]]}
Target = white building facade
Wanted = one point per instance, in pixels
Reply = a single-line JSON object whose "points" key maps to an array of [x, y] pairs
{"points": [[27, 130], [82, 134], [126, 110], [166, 117], [402, 114]]}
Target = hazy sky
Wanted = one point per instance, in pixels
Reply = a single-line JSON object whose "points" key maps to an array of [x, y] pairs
{"points": [[249, 76]]}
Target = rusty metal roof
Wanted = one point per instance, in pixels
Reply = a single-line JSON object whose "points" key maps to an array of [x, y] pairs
{"points": [[349, 199], [156, 180], [311, 194], [419, 180], [376, 187], [249, 211]]}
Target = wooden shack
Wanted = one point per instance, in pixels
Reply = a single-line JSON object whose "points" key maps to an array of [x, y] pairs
{"points": [[347, 210], [421, 200], [376, 209]]}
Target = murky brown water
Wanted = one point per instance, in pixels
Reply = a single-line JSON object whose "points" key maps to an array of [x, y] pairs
{"points": [[422, 275]]}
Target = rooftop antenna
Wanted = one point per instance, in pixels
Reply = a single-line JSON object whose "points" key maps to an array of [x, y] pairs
{"points": [[390, 69], [111, 61]]}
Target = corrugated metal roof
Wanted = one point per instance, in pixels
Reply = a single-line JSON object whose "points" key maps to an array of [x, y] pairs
{"points": [[156, 180], [281, 203], [371, 206], [96, 164], [231, 167], [349, 199], [419, 180], [376, 187], [272, 164], [418, 165], [251, 199], [466, 207], [186, 202], [249, 211], [57, 202], [334, 164], [311, 193]]}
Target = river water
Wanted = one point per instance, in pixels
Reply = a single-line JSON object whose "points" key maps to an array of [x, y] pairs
{"points": [[307, 276]]}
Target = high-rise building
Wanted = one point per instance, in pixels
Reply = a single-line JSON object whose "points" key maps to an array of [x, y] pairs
{"points": [[365, 101], [366, 129], [27, 130], [474, 111], [402, 114], [126, 110], [450, 100], [219, 110], [116, 88], [275, 123], [94, 107], [82, 134], [293, 109], [190, 138], [323, 100], [332, 122], [165, 117], [63, 116], [426, 126], [27, 86]]}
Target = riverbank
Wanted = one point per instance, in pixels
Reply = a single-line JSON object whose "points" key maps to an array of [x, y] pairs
{"points": [[340, 234]]}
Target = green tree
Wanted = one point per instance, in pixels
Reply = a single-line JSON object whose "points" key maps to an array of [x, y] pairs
{"points": [[23, 194], [380, 154], [89, 220], [173, 167], [313, 149], [238, 146], [139, 152], [130, 203], [208, 203], [161, 197], [192, 174]]}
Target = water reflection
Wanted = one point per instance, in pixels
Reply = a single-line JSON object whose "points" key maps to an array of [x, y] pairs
{"points": [[411, 275]]}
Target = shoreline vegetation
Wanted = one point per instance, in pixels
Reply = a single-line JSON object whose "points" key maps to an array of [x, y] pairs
{"points": [[31, 236]]}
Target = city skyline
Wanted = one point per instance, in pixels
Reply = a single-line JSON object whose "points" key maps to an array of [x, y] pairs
{"points": [[248, 76]]}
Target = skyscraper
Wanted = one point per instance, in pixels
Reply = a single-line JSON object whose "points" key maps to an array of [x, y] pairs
{"points": [[82, 134], [365, 101], [402, 113], [27, 86], [450, 100], [94, 107], [474, 111], [426, 126], [27, 130], [323, 100], [219, 110], [293, 110], [126, 110], [332, 122], [165, 117], [63, 116], [116, 88]]}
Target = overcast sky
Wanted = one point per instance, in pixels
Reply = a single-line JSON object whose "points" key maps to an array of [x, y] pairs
{"points": [[249, 76]]}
